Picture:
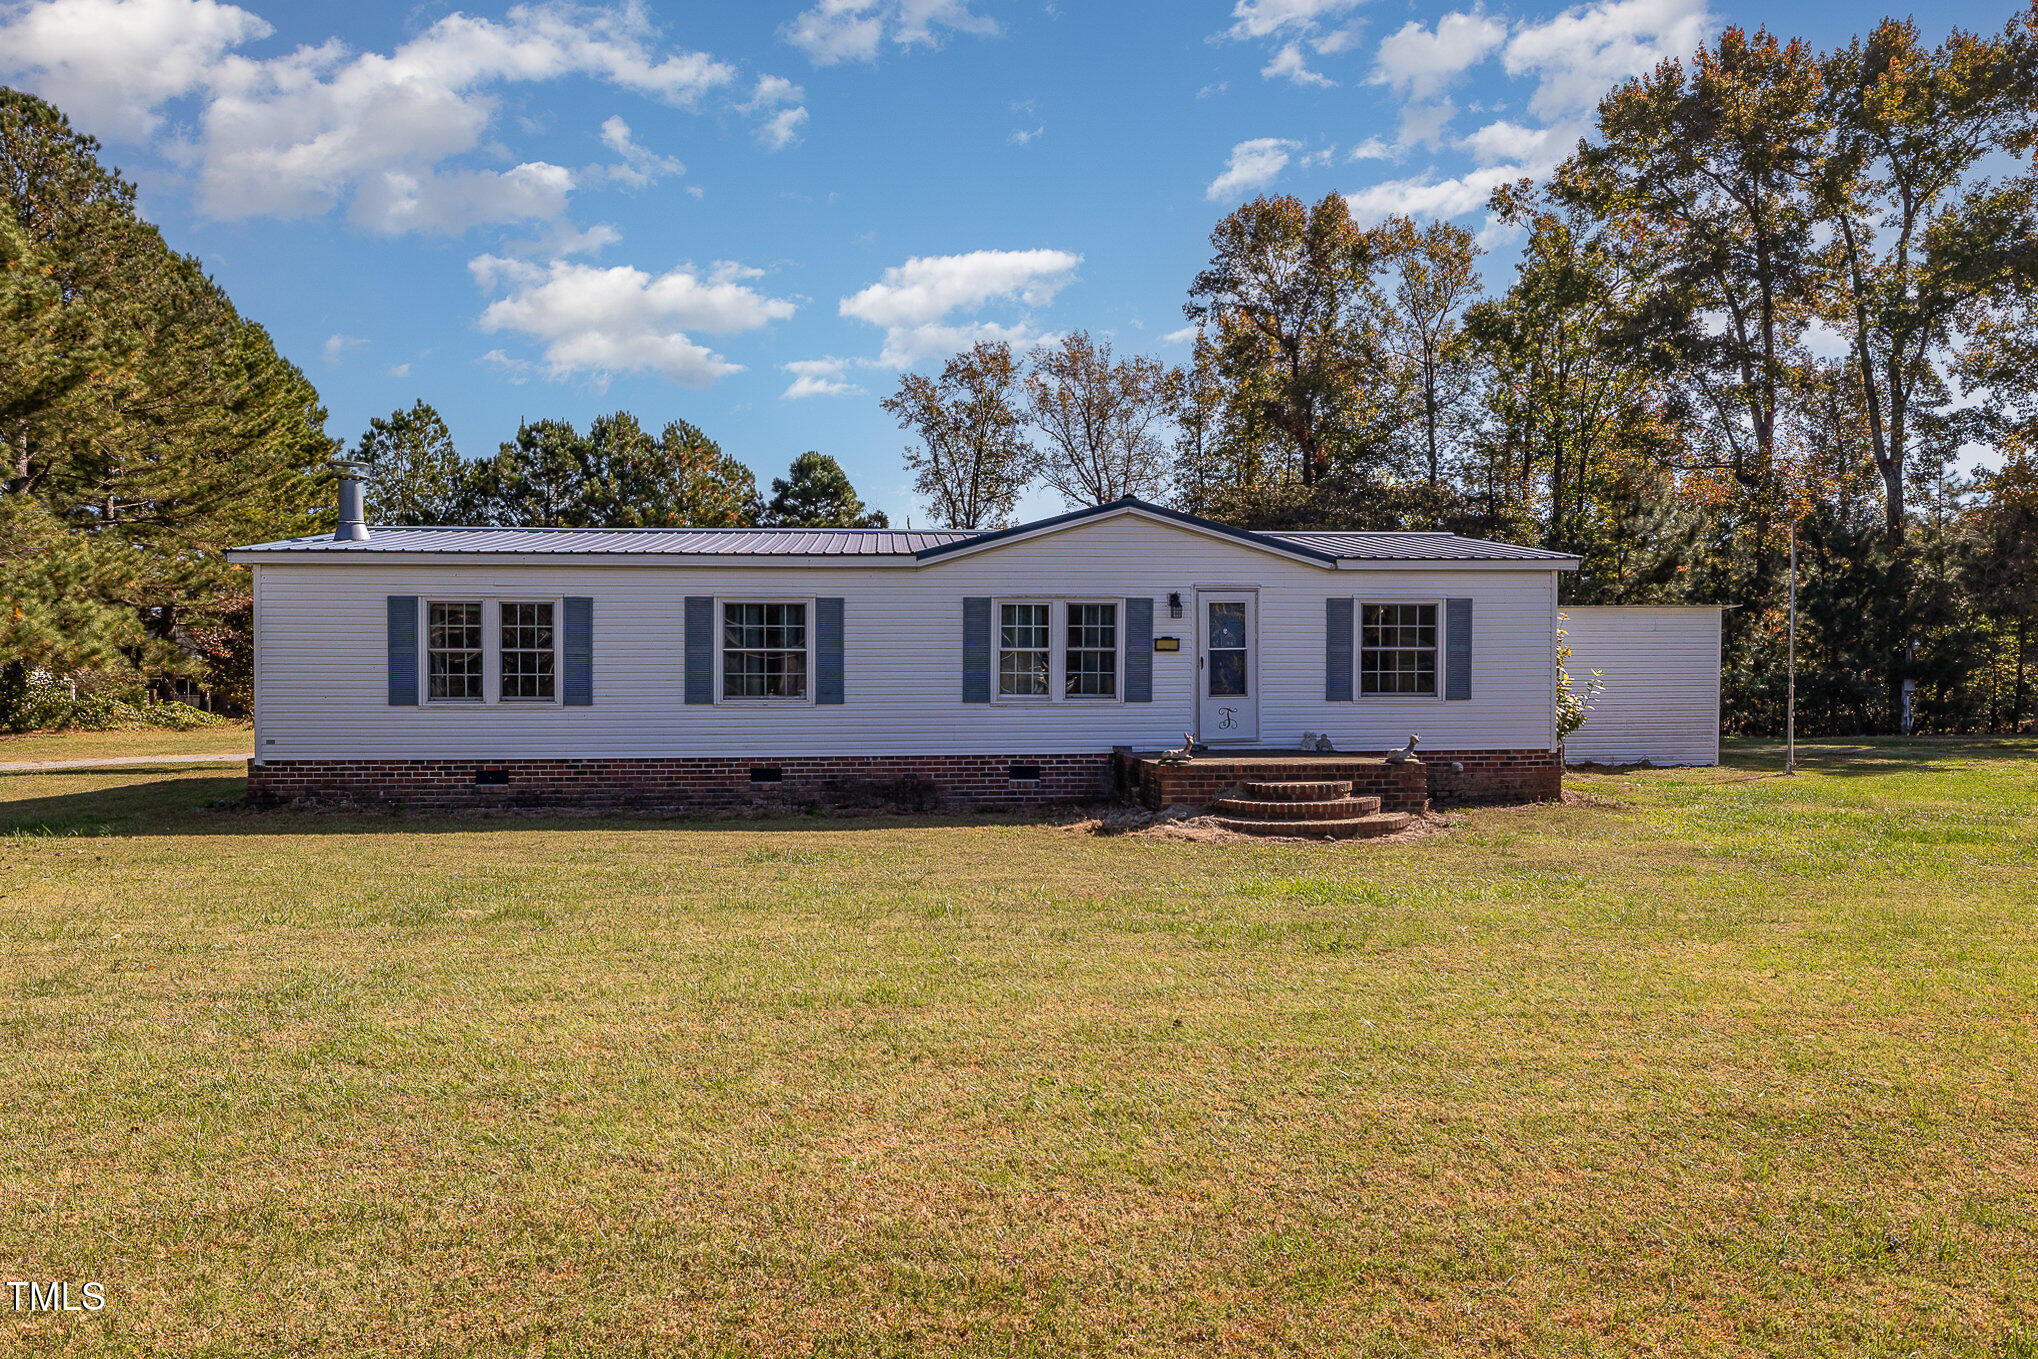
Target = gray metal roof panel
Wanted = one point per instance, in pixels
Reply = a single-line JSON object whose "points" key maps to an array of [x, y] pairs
{"points": [[1400, 545], [924, 544], [668, 542]]}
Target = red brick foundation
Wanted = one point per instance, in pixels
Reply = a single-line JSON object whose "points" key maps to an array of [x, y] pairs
{"points": [[911, 782], [1485, 776], [1495, 775]]}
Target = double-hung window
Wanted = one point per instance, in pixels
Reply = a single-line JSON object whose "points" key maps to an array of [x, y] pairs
{"points": [[764, 650], [1025, 655], [1091, 667], [454, 649], [527, 657], [1049, 650], [1398, 649], [491, 650]]}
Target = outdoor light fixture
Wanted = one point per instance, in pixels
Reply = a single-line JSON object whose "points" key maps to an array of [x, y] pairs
{"points": [[1174, 604]]}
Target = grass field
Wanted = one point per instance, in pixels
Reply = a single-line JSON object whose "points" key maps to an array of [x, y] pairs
{"points": [[1700, 1062], [234, 738]]}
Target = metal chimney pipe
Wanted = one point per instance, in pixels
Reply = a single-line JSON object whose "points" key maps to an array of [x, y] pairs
{"points": [[353, 525]]}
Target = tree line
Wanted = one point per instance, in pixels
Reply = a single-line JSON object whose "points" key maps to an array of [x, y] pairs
{"points": [[1776, 295], [617, 474]]}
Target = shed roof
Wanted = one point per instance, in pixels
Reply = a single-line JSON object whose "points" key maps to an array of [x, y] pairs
{"points": [[897, 545]]}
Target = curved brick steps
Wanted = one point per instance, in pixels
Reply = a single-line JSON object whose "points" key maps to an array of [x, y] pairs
{"points": [[1316, 807], [1349, 828], [1283, 809], [1319, 791]]}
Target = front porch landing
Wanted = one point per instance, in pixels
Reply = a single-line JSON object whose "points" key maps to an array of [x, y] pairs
{"points": [[1156, 783]]}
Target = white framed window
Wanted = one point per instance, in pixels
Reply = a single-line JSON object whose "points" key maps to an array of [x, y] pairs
{"points": [[1090, 658], [1400, 646], [490, 650], [764, 654], [455, 651], [1025, 648], [1057, 650], [527, 658]]}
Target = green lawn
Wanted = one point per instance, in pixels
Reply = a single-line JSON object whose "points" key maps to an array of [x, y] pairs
{"points": [[1705, 1061], [233, 739]]}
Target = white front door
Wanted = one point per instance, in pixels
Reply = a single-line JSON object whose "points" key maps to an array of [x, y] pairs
{"points": [[1227, 666]]}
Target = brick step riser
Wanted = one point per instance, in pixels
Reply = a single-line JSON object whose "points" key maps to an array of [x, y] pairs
{"points": [[1340, 809], [1317, 791], [1358, 828]]}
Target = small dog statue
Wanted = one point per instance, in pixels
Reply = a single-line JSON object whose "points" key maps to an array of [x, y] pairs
{"points": [[1406, 753]]}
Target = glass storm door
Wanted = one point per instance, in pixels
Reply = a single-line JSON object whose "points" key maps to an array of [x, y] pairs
{"points": [[1227, 667]]}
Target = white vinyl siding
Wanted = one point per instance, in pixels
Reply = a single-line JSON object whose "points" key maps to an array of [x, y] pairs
{"points": [[322, 655], [1662, 671]]}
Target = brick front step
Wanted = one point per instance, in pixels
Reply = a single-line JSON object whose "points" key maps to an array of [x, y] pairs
{"points": [[1318, 791], [1353, 828], [1279, 809]]}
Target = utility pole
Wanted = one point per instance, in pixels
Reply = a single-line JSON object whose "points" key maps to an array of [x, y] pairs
{"points": [[1790, 691]]}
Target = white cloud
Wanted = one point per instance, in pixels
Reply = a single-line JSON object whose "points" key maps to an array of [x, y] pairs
{"points": [[597, 321], [1424, 197], [1021, 136], [639, 167], [338, 345], [1270, 18], [1502, 140], [1580, 54], [1186, 335], [777, 101], [818, 377], [393, 137], [782, 129], [397, 370], [1426, 124], [914, 300], [1420, 63], [1290, 26], [1289, 64], [1252, 165], [112, 64], [835, 31], [1373, 149]]}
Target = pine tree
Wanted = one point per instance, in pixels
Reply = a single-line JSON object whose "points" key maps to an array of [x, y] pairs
{"points": [[140, 411], [816, 493]]}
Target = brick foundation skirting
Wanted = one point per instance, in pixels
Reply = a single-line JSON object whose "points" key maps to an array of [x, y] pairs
{"points": [[911, 782], [1485, 776]]}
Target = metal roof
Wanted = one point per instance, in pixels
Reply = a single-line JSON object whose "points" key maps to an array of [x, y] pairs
{"points": [[1412, 546], [1327, 546], [673, 542]]}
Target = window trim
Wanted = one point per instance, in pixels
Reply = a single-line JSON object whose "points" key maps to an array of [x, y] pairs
{"points": [[1061, 685], [806, 602], [1359, 647], [1058, 650], [558, 607], [425, 649], [491, 650], [998, 607]]}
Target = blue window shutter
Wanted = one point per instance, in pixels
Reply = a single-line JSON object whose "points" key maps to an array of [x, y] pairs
{"points": [[1337, 648], [576, 689], [403, 651], [1458, 648], [1139, 650], [700, 648], [828, 650], [976, 649]]}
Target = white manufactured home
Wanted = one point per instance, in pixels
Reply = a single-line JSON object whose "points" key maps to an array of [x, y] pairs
{"points": [[464, 664]]}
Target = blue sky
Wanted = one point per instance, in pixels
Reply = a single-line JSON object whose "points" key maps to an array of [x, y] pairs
{"points": [[753, 216]]}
